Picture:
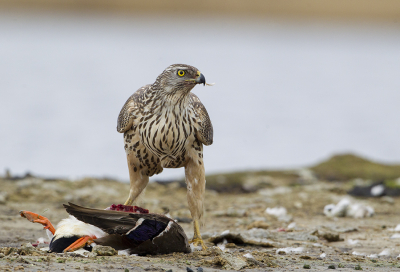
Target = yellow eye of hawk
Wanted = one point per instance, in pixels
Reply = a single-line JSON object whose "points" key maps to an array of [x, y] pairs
{"points": [[181, 73]]}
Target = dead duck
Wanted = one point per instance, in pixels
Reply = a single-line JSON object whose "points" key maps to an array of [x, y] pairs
{"points": [[68, 230], [138, 233], [122, 227]]}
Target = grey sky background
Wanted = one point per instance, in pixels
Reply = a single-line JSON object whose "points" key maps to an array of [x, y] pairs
{"points": [[287, 94]]}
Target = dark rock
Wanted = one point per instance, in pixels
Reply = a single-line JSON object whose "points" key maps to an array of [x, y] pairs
{"points": [[328, 235], [368, 191], [7, 250], [305, 257], [229, 261], [28, 249], [358, 267]]}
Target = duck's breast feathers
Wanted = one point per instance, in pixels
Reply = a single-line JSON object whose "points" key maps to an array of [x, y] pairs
{"points": [[73, 227]]}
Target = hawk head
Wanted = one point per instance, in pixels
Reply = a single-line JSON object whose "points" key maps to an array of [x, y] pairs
{"points": [[179, 79]]}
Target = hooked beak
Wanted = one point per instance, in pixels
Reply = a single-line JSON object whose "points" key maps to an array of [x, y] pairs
{"points": [[200, 78]]}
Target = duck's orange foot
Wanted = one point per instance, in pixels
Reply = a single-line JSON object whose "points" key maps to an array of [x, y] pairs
{"points": [[35, 218], [81, 242]]}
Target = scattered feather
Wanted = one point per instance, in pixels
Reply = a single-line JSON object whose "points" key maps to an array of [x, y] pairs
{"points": [[385, 252], [49, 234], [124, 252], [352, 242], [194, 248], [377, 190], [225, 232], [222, 245], [248, 256], [346, 208], [279, 212], [295, 250]]}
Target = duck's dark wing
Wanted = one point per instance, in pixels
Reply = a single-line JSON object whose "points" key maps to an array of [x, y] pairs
{"points": [[172, 239], [112, 222], [109, 221]]}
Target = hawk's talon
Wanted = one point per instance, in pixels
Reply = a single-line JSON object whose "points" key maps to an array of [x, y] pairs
{"points": [[197, 236], [197, 241], [128, 202]]}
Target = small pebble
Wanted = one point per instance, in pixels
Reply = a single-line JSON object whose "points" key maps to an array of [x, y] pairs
{"points": [[199, 269], [306, 266], [188, 269], [331, 266], [305, 257]]}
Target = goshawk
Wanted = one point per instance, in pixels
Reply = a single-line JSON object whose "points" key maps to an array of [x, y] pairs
{"points": [[165, 126]]}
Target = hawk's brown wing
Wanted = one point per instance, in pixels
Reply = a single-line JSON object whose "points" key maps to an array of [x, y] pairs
{"points": [[131, 109], [205, 132]]}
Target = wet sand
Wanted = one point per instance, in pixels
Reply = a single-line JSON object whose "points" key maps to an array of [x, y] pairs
{"points": [[304, 200]]}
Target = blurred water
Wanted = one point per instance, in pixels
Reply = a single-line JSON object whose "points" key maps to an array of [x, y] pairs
{"points": [[287, 94]]}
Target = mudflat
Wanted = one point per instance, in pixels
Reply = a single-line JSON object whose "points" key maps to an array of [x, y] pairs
{"points": [[238, 231]]}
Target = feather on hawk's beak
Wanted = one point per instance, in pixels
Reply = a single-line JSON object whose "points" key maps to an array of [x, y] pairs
{"points": [[200, 78]]}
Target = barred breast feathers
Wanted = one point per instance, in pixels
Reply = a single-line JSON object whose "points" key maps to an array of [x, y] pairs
{"points": [[165, 125], [166, 132]]}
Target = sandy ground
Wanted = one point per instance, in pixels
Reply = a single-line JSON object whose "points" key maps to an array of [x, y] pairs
{"points": [[304, 201]]}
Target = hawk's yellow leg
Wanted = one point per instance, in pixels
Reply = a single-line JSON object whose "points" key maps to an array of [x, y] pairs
{"points": [[197, 236], [128, 202], [138, 181]]}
